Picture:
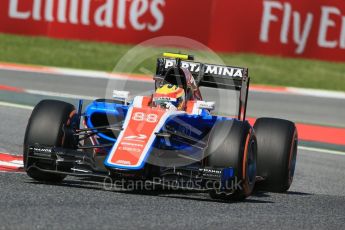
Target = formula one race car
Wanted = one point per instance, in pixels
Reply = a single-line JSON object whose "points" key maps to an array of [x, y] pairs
{"points": [[170, 138]]}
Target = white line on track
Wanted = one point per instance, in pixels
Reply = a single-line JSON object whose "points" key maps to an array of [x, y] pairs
{"points": [[101, 74], [15, 163], [316, 93], [81, 73], [6, 104], [54, 94], [311, 149]]}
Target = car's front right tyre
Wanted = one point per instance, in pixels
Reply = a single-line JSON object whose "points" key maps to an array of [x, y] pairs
{"points": [[46, 127]]}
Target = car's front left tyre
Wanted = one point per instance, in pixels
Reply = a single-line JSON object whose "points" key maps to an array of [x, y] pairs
{"points": [[232, 144]]}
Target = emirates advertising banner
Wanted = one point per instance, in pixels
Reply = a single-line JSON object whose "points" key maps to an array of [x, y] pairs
{"points": [[294, 28]]}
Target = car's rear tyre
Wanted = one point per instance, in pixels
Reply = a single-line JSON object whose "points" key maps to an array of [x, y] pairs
{"points": [[233, 144], [277, 152], [47, 127]]}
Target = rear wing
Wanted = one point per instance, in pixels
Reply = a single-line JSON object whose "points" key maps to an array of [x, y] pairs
{"points": [[214, 76], [208, 75]]}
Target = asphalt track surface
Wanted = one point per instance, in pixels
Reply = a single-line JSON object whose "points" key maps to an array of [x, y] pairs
{"points": [[316, 199]]}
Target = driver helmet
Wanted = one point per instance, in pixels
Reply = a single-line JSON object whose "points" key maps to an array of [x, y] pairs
{"points": [[169, 94]]}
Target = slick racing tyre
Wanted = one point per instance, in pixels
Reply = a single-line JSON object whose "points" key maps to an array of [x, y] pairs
{"points": [[277, 151], [233, 144], [46, 127]]}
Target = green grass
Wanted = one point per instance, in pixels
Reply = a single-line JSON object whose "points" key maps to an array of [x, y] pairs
{"points": [[104, 56]]}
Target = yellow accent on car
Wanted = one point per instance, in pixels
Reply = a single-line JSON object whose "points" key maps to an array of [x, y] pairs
{"points": [[168, 89], [180, 56]]}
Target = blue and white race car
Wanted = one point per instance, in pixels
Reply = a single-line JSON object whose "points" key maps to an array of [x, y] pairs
{"points": [[170, 138]]}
